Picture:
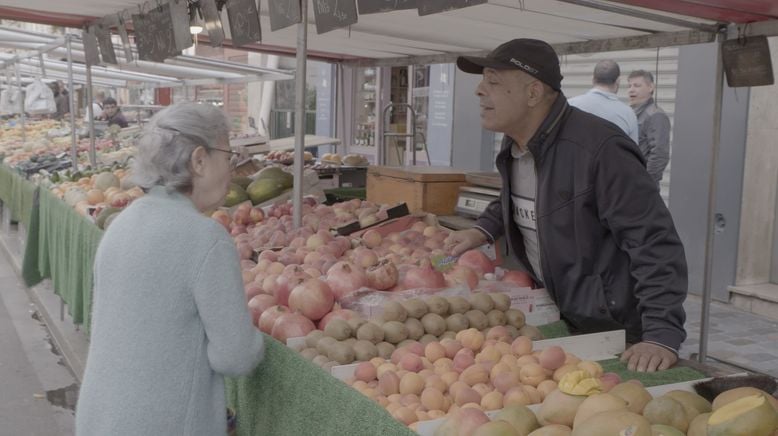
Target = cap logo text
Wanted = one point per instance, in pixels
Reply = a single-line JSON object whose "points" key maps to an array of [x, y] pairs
{"points": [[523, 66]]}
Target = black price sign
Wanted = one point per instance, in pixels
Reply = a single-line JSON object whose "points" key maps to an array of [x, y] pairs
{"points": [[427, 7], [284, 13], [91, 52], [213, 22], [154, 34], [376, 6], [244, 22], [334, 14], [747, 62], [107, 52]]}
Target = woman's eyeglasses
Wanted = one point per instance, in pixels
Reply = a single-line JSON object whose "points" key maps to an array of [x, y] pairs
{"points": [[235, 156]]}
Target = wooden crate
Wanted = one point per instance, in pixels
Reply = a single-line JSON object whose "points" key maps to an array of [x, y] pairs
{"points": [[428, 189]]}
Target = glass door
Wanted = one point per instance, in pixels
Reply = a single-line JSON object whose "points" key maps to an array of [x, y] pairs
{"points": [[365, 113]]}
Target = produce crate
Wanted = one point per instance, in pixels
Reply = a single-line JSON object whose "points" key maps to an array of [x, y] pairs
{"points": [[429, 189]]}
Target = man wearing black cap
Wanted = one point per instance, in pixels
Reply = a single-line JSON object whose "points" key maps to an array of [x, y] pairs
{"points": [[578, 209]]}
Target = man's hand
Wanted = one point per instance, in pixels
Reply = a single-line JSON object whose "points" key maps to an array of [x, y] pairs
{"points": [[648, 357], [463, 240]]}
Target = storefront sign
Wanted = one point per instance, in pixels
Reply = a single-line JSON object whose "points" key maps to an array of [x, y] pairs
{"points": [[284, 13], [747, 62], [244, 22], [427, 7], [334, 14], [376, 6]]}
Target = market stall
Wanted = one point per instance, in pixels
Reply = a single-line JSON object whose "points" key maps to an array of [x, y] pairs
{"points": [[267, 400]]}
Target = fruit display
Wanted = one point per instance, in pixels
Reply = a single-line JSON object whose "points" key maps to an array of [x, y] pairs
{"points": [[285, 157], [344, 337], [352, 160], [582, 406], [267, 184]]}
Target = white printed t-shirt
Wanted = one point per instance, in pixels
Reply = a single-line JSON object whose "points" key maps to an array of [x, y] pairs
{"points": [[523, 188]]}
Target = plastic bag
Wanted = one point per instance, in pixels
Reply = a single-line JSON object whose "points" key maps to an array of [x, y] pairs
{"points": [[10, 103], [39, 99]]}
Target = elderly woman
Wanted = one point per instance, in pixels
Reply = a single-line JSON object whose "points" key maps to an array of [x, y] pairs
{"points": [[170, 316]]}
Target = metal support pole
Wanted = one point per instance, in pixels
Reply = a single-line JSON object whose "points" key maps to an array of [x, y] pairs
{"points": [[21, 102], [709, 239], [91, 115], [72, 104], [299, 120]]}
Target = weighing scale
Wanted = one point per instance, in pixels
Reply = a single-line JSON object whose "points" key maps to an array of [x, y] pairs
{"points": [[473, 199]]}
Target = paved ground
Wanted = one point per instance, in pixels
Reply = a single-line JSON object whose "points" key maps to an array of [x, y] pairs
{"points": [[34, 381], [736, 336]]}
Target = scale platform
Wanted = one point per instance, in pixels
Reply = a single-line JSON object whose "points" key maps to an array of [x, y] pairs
{"points": [[473, 200]]}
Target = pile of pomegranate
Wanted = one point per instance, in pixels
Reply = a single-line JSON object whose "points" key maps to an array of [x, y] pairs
{"points": [[302, 273]]}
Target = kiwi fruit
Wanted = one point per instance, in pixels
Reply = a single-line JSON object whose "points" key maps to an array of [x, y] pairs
{"points": [[513, 331], [496, 317], [457, 322], [342, 353], [395, 332], [426, 339], [309, 353], [482, 302], [338, 329], [325, 344], [531, 331], [415, 328], [365, 350], [350, 341], [477, 319], [385, 349], [501, 301], [457, 304], [370, 332], [448, 335], [356, 323], [515, 318], [394, 311], [320, 360], [312, 338], [415, 308], [434, 324], [437, 305]]}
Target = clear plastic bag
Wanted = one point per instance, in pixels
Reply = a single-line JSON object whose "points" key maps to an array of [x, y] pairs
{"points": [[10, 101], [39, 99], [368, 302]]}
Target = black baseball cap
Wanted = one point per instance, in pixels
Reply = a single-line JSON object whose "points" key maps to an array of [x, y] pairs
{"points": [[533, 56]]}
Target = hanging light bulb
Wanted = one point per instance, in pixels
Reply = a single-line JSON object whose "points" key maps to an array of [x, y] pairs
{"points": [[195, 28]]}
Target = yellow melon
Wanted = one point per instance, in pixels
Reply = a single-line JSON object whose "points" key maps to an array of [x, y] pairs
{"points": [[748, 416], [614, 423], [598, 403]]}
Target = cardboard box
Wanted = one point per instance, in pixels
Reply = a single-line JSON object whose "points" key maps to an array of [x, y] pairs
{"points": [[429, 189]]}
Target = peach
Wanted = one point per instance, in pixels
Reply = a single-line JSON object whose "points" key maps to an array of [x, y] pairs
{"points": [[365, 372], [434, 351], [411, 383], [492, 401], [521, 346], [552, 358]]}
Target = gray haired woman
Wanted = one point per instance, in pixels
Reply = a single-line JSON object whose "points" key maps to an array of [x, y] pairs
{"points": [[169, 315]]}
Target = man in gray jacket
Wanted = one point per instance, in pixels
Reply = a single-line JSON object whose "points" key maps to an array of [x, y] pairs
{"points": [[577, 208], [653, 123]]}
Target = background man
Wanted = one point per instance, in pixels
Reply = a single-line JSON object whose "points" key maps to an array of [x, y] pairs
{"points": [[97, 106], [653, 123], [577, 208], [113, 114], [602, 100]]}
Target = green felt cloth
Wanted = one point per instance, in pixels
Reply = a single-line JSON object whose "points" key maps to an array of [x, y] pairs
{"points": [[289, 396], [17, 193], [556, 329], [673, 375], [62, 247]]}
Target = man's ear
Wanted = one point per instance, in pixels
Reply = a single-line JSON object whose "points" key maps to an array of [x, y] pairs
{"points": [[535, 93], [197, 161]]}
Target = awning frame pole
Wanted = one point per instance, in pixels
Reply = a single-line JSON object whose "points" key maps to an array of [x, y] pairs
{"points": [[299, 122], [72, 103]]}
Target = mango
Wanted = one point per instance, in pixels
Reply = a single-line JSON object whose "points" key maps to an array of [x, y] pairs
{"points": [[552, 430], [748, 416], [665, 430], [636, 396], [699, 425], [614, 423], [668, 411], [496, 428], [737, 393], [580, 382], [598, 403], [560, 408], [692, 403], [520, 417]]}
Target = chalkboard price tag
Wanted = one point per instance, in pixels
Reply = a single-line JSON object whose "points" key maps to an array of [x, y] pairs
{"points": [[377, 6], [154, 34], [334, 14], [427, 7], [107, 52], [91, 52], [747, 62], [244, 22], [284, 13]]}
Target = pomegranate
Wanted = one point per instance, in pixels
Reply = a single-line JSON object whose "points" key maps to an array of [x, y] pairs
{"points": [[372, 238], [288, 281], [291, 325], [242, 214], [268, 255], [252, 290], [256, 214], [364, 257], [344, 278], [462, 275], [344, 314], [476, 260], [313, 298], [519, 278], [269, 285], [237, 229], [382, 276], [260, 303], [423, 276], [269, 317], [223, 218]]}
